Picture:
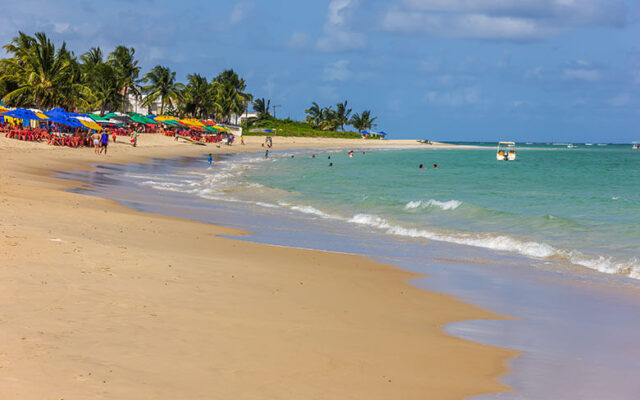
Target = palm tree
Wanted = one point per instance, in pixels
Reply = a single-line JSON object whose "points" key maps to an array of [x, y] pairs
{"points": [[122, 59], [314, 114], [230, 96], [342, 114], [38, 74], [262, 108], [162, 85], [198, 96], [363, 121], [105, 88], [329, 119]]}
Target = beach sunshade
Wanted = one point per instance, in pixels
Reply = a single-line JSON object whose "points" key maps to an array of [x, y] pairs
{"points": [[22, 113], [98, 118], [192, 122], [163, 118], [141, 119], [268, 130], [89, 123]]}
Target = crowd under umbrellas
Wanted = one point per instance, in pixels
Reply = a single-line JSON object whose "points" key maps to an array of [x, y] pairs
{"points": [[61, 128]]}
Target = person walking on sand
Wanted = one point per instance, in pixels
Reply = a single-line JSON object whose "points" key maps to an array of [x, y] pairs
{"points": [[104, 142], [96, 142]]}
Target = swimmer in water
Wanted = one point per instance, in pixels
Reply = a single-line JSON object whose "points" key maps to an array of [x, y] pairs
{"points": [[331, 164], [421, 166], [435, 166]]}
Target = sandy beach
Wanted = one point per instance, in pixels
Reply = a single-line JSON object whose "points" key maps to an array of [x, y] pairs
{"points": [[101, 301]]}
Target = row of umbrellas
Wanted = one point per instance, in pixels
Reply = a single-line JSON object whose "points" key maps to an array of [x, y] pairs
{"points": [[56, 115], [94, 121]]}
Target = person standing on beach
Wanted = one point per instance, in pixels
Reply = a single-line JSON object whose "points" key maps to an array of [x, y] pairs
{"points": [[266, 154], [104, 142], [96, 142], [210, 159]]}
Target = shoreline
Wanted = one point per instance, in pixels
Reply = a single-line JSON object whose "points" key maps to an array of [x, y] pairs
{"points": [[87, 278]]}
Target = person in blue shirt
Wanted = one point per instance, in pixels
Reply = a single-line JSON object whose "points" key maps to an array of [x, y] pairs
{"points": [[104, 142], [210, 159]]}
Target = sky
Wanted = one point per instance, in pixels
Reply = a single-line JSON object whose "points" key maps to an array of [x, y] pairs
{"points": [[456, 70]]}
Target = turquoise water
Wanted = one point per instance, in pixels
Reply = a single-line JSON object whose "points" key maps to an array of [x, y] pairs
{"points": [[580, 206]]}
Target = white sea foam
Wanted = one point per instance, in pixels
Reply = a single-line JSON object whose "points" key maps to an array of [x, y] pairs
{"points": [[310, 210], [630, 268], [370, 220], [444, 205]]}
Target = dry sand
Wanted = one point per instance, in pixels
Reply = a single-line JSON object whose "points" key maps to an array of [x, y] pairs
{"points": [[98, 301]]}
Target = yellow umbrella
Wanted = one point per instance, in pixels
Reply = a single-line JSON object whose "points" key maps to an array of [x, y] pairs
{"points": [[90, 124], [165, 118], [192, 121], [40, 115]]}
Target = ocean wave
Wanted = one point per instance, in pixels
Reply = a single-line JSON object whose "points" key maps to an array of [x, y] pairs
{"points": [[443, 205], [312, 211], [629, 268]]}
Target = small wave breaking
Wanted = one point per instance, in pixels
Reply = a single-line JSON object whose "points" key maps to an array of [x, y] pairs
{"points": [[443, 205]]}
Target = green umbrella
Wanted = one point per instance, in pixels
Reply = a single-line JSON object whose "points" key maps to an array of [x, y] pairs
{"points": [[141, 119]]}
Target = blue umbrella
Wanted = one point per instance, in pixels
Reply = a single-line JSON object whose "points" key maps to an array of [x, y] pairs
{"points": [[60, 116], [268, 130], [22, 113]]}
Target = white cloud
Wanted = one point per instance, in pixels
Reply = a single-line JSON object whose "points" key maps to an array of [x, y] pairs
{"points": [[430, 65], [583, 74], [60, 27], [298, 41], [240, 11], [337, 71], [338, 34], [477, 26], [500, 19], [455, 98], [620, 100], [341, 41]]}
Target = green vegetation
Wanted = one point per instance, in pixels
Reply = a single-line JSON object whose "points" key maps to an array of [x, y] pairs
{"points": [[36, 74], [320, 121]]}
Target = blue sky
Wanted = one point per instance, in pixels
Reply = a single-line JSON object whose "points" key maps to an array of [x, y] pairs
{"points": [[558, 70]]}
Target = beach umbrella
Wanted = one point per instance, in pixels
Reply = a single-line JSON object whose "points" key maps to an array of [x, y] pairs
{"points": [[22, 113], [60, 116], [163, 118], [268, 130], [89, 123], [141, 119]]}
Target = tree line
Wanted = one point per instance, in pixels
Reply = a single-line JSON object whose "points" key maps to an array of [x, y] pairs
{"points": [[38, 75], [324, 118]]}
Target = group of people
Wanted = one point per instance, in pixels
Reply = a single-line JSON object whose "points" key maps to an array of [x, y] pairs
{"points": [[100, 142]]}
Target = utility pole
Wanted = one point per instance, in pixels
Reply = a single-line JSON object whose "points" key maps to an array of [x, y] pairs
{"points": [[274, 109]]}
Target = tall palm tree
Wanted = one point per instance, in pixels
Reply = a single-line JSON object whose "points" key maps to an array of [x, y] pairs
{"points": [[231, 97], [262, 108], [162, 85], [314, 114], [39, 74], [329, 119], [363, 121], [342, 114], [122, 59], [198, 96]]}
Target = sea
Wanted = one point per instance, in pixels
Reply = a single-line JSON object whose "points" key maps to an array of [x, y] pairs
{"points": [[551, 239]]}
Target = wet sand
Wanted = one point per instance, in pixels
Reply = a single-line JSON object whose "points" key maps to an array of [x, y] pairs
{"points": [[101, 301]]}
